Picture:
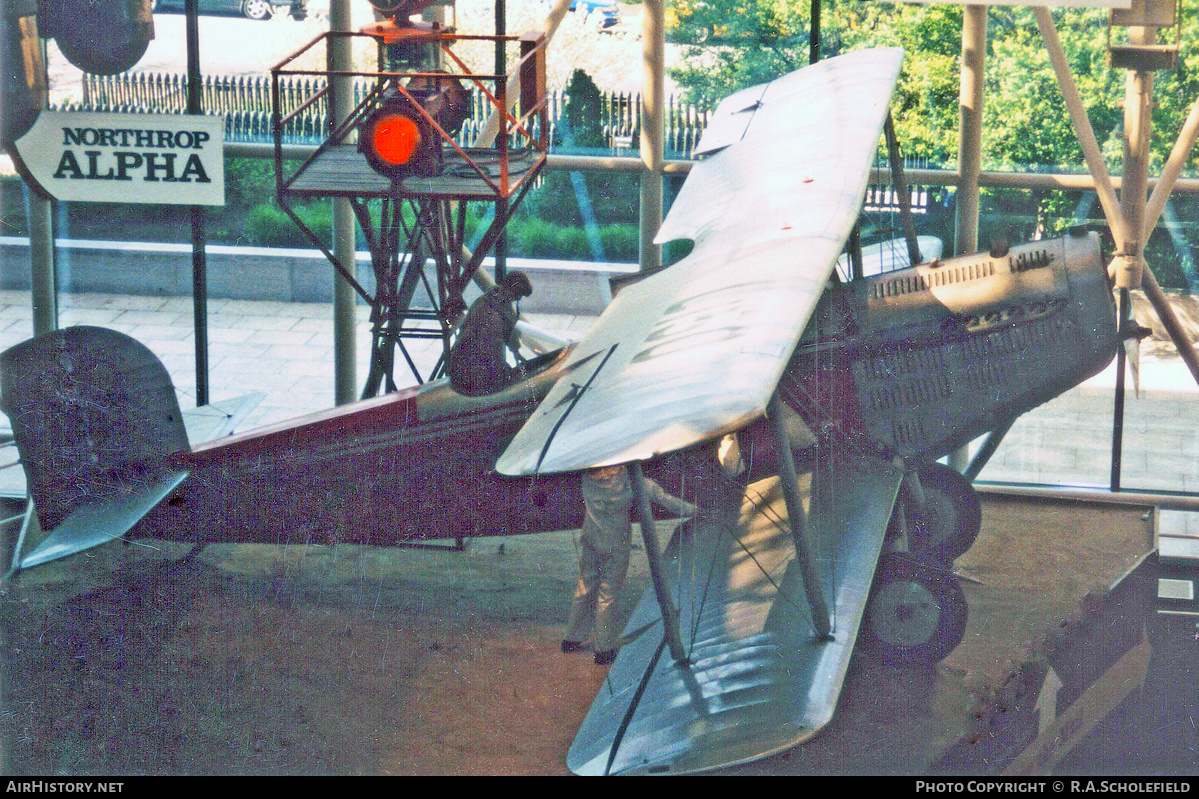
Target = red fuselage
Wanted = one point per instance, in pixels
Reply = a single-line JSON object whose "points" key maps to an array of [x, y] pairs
{"points": [[910, 363]]}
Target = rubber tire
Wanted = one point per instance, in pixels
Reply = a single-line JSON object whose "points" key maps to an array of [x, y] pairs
{"points": [[917, 613], [257, 9], [949, 522]]}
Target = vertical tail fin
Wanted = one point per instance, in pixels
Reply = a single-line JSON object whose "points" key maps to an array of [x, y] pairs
{"points": [[95, 418]]}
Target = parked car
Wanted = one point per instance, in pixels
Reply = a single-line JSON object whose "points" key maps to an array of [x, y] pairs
{"points": [[608, 13], [254, 9]]}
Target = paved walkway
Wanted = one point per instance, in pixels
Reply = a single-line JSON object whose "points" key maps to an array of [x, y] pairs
{"points": [[285, 350]]}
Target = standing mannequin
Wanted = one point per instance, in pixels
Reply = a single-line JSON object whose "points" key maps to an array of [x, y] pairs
{"points": [[606, 542]]}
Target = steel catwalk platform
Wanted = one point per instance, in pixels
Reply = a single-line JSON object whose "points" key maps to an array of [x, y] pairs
{"points": [[342, 171]]}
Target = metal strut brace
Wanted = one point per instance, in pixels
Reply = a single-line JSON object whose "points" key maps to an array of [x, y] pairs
{"points": [[813, 587], [910, 491], [911, 481], [989, 445], [901, 192], [670, 616]]}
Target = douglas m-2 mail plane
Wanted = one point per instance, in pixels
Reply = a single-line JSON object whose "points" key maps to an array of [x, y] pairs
{"points": [[749, 345]]}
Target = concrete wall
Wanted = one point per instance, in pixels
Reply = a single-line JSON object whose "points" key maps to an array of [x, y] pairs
{"points": [[260, 273]]}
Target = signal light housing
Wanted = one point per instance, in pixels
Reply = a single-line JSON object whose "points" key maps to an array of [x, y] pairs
{"points": [[391, 142], [104, 37], [397, 139]]}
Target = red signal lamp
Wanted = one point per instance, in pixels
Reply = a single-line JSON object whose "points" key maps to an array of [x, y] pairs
{"points": [[397, 141], [394, 141], [405, 133]]}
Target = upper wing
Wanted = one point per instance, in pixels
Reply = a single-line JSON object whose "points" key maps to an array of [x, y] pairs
{"points": [[696, 350]]}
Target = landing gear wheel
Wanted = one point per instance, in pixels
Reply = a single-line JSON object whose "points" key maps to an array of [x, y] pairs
{"points": [[917, 613], [947, 523], [257, 9]]}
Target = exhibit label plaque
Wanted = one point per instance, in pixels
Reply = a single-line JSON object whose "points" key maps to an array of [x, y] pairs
{"points": [[163, 159]]}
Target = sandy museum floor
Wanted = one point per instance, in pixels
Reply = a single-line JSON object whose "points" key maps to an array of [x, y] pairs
{"points": [[349, 660]]}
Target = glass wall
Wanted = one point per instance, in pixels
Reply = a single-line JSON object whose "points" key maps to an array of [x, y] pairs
{"points": [[1069, 440], [270, 317]]}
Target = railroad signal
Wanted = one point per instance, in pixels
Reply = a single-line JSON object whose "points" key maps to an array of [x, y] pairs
{"points": [[394, 145], [405, 134], [104, 38]]}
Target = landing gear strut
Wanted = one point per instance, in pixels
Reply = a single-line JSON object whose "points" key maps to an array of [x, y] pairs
{"points": [[945, 523]]}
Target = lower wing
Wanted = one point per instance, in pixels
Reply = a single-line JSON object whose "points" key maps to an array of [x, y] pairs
{"points": [[757, 680]]}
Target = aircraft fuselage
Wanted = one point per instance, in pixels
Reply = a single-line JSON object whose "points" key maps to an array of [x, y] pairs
{"points": [[910, 363]]}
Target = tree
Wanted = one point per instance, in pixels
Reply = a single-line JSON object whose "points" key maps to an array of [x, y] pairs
{"points": [[599, 197], [732, 44], [926, 98], [582, 123]]}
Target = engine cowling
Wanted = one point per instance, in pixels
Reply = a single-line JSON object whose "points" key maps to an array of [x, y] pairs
{"points": [[918, 361]]}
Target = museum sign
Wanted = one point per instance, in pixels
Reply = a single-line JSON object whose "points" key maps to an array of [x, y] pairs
{"points": [[163, 159]]}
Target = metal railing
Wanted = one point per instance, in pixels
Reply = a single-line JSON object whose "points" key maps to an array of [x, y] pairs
{"points": [[245, 102]]}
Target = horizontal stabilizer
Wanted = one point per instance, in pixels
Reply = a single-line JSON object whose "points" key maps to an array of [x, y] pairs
{"points": [[203, 424], [100, 522], [757, 680], [218, 419]]}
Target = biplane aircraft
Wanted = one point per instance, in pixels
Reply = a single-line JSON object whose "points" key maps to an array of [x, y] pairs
{"points": [[724, 377]]}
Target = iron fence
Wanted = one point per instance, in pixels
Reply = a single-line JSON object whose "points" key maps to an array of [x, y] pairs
{"points": [[245, 102]]}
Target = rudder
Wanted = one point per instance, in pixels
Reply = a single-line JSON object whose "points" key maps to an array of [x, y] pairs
{"points": [[94, 415]]}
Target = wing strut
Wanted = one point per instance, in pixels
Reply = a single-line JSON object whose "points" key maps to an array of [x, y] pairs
{"points": [[813, 587], [670, 617], [987, 449], [901, 191]]}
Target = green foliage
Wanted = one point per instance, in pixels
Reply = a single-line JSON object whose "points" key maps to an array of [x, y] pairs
{"points": [[1027, 126], [582, 118], [598, 197], [620, 242], [777, 25], [248, 182], [731, 44], [267, 225], [613, 197], [538, 238]]}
